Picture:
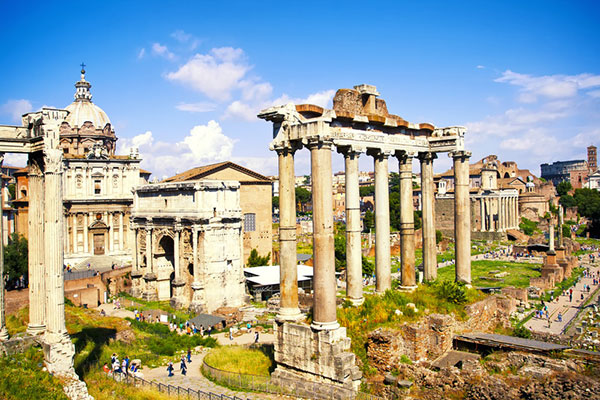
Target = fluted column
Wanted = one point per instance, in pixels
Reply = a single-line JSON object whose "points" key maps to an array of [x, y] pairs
{"points": [[462, 216], [195, 254], [135, 264], [482, 214], [75, 242], [86, 222], [551, 235], [382, 222], [288, 261], [354, 285], [176, 253], [121, 231], [111, 231], [53, 255], [407, 222], [37, 280], [149, 263], [428, 209], [324, 311], [560, 224]]}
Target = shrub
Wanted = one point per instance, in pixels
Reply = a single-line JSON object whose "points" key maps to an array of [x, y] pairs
{"points": [[438, 236], [522, 332], [454, 292], [527, 226]]}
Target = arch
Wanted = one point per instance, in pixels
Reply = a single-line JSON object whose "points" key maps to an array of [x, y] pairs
{"points": [[506, 175], [165, 245]]}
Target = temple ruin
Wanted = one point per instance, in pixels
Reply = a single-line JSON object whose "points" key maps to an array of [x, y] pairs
{"points": [[359, 123]]}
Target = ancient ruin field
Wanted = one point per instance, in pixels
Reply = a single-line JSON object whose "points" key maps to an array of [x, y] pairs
{"points": [[493, 273]]}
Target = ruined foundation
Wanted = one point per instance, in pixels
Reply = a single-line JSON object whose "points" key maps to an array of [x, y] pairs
{"points": [[324, 356]]}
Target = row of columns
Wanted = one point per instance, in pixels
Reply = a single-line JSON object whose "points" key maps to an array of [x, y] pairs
{"points": [[507, 211], [88, 218], [324, 312]]}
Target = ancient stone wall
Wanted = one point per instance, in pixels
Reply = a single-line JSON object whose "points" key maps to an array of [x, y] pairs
{"points": [[432, 336], [444, 215]]}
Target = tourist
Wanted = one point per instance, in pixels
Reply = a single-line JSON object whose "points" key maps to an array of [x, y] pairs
{"points": [[116, 366], [201, 330], [170, 368], [189, 355], [112, 358], [182, 366], [256, 337], [124, 366], [559, 317], [102, 313], [106, 369], [231, 333]]}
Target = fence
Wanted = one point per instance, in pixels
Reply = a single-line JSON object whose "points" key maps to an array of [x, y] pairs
{"points": [[173, 390], [283, 386], [69, 276]]}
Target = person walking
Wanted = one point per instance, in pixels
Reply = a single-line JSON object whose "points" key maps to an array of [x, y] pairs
{"points": [[255, 336], [182, 366], [189, 355], [170, 368]]}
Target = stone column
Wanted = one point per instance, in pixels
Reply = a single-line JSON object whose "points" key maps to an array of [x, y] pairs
{"points": [[383, 273], [3, 331], [482, 214], [288, 262], [551, 234], [428, 209], [53, 256], [195, 254], [37, 280], [462, 216], [324, 311], [354, 285], [86, 222], [75, 241], [407, 222], [176, 253], [111, 231], [121, 231], [560, 225], [149, 263]]}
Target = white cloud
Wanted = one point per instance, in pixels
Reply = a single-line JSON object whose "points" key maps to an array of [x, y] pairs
{"points": [[141, 53], [215, 74], [16, 108], [162, 51], [196, 107], [480, 67], [248, 110], [548, 86], [186, 38], [204, 144]]}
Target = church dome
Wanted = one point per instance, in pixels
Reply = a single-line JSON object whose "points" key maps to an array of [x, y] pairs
{"points": [[82, 110]]}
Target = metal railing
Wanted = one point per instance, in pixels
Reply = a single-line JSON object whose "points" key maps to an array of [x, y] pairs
{"points": [[283, 385], [69, 276], [172, 390]]}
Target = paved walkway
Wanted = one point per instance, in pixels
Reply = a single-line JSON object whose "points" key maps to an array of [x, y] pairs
{"points": [[194, 378], [562, 305]]}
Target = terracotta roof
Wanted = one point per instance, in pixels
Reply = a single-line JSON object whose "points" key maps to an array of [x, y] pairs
{"points": [[21, 171], [143, 171], [201, 172]]}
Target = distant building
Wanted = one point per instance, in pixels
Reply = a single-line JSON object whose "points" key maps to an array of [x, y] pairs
{"points": [[255, 201], [574, 171], [592, 159]]}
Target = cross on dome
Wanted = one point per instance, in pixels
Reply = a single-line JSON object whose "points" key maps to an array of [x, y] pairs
{"points": [[83, 87]]}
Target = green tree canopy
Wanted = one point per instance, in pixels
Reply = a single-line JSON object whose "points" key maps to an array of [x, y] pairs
{"points": [[367, 191], [588, 203], [15, 256], [303, 196], [275, 202], [567, 201], [254, 260], [564, 188], [368, 221]]}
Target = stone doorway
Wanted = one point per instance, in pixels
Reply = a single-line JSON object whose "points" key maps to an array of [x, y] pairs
{"points": [[98, 244], [164, 259]]}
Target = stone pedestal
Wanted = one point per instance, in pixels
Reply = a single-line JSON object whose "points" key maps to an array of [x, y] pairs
{"points": [[314, 355], [150, 293], [198, 305], [551, 267], [137, 284], [179, 300], [58, 353]]}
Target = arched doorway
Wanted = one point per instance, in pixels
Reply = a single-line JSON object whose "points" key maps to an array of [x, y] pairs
{"points": [[164, 260]]}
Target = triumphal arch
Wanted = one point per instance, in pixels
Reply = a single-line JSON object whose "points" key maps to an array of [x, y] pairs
{"points": [[359, 124]]}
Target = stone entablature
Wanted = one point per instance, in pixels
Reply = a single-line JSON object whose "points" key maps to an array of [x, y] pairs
{"points": [[188, 246]]}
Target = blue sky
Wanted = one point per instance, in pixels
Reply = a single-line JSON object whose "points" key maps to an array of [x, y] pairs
{"points": [[184, 80]]}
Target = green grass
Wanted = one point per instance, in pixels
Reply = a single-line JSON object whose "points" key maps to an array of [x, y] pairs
{"points": [[241, 360], [101, 387], [518, 273], [143, 305], [21, 377]]}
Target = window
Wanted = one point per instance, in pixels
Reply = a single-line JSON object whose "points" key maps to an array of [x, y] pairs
{"points": [[249, 222], [97, 185]]}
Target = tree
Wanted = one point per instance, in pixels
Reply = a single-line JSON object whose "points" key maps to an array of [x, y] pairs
{"points": [[368, 221], [588, 203], [368, 268], [563, 188], [254, 260], [303, 196], [567, 201], [275, 202], [340, 252], [15, 257], [367, 191]]}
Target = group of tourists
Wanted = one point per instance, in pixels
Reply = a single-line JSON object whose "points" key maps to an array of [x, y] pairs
{"points": [[124, 367], [182, 364]]}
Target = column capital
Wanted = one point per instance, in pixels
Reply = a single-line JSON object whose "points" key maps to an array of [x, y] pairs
{"points": [[351, 150], [379, 153], [463, 154], [53, 161], [427, 156], [288, 147], [318, 142], [405, 156]]}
